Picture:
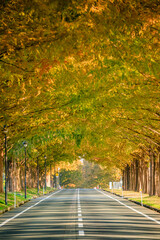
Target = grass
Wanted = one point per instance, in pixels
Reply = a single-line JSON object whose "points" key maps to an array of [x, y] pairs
{"points": [[20, 197], [152, 201]]}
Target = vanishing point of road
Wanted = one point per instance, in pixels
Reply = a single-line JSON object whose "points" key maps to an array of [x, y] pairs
{"points": [[80, 214]]}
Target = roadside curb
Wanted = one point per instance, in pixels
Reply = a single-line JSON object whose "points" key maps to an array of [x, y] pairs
{"points": [[23, 202], [12, 207], [138, 203]]}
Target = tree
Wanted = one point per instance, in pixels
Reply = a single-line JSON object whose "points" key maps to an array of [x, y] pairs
{"points": [[89, 67]]}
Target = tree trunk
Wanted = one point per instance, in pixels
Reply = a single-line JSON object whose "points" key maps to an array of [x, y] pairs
{"points": [[159, 174], [131, 176], [10, 175], [151, 174], [37, 175], [21, 178], [1, 170], [50, 175], [123, 180], [128, 178], [145, 182], [141, 173], [154, 174], [136, 177]]}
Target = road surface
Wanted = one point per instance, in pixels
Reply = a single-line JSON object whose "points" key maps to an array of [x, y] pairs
{"points": [[80, 214]]}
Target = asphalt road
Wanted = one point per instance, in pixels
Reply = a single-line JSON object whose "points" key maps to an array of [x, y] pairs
{"points": [[80, 214]]}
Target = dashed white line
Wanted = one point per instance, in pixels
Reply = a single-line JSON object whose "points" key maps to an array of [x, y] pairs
{"points": [[81, 233], [150, 218], [80, 219], [80, 225]]}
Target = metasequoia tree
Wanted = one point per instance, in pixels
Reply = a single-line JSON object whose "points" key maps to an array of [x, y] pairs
{"points": [[88, 69]]}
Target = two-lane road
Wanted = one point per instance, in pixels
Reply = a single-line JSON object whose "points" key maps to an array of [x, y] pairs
{"points": [[80, 214]]}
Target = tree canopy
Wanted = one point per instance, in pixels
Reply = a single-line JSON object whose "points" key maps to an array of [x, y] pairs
{"points": [[81, 77]]}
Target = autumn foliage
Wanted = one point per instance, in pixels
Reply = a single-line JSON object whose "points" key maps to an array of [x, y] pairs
{"points": [[80, 77]]}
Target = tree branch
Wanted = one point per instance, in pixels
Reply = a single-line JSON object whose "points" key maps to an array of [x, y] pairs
{"points": [[15, 66]]}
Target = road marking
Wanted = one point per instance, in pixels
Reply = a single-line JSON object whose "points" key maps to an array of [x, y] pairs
{"points": [[150, 218], [81, 233], [80, 224], [17, 215]]}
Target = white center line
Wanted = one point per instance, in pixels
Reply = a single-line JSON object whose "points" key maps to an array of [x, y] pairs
{"points": [[17, 215], [81, 233], [80, 225], [150, 218]]}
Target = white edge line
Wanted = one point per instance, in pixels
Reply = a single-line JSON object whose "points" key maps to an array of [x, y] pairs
{"points": [[18, 214], [150, 218]]}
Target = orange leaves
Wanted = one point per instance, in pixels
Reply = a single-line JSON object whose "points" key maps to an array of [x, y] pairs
{"points": [[45, 66]]}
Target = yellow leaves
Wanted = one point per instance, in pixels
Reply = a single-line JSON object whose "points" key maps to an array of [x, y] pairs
{"points": [[10, 48], [86, 90], [32, 12], [112, 91], [38, 91], [35, 150], [3, 22], [22, 34], [96, 6], [70, 59], [37, 51], [15, 41], [22, 14]]}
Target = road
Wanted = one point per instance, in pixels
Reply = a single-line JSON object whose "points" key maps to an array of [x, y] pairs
{"points": [[80, 214]]}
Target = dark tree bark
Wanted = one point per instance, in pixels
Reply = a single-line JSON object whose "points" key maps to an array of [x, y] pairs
{"points": [[154, 174], [151, 174], [158, 175], [136, 174], [10, 175], [1, 169], [128, 177], [123, 179], [51, 176]]}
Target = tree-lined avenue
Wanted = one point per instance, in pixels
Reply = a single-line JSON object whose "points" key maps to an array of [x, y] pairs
{"points": [[81, 78], [81, 214]]}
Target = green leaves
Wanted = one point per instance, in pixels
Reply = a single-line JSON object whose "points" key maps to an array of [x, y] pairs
{"points": [[78, 76]]}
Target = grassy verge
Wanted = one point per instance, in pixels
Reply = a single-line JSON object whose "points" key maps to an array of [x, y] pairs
{"points": [[31, 193], [152, 201]]}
